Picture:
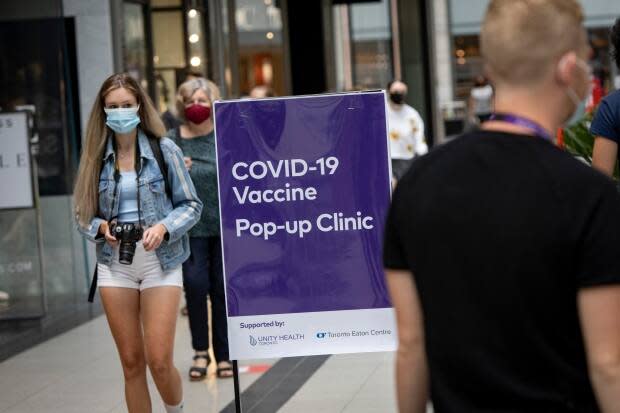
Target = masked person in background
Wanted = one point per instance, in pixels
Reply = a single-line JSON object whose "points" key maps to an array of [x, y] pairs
{"points": [[136, 201], [480, 102], [406, 129], [606, 123], [203, 273], [501, 249]]}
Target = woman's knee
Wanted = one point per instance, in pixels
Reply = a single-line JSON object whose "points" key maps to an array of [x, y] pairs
{"points": [[160, 365], [133, 364]]}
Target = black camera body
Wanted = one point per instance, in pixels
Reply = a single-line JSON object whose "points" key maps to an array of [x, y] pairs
{"points": [[128, 234]]}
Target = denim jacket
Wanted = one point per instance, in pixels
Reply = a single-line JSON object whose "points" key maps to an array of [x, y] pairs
{"points": [[177, 215]]}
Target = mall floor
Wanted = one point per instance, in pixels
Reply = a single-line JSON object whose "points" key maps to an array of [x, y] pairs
{"points": [[78, 371]]}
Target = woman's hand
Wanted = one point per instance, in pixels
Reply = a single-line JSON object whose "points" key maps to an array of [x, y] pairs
{"points": [[188, 162], [104, 229], [153, 237]]}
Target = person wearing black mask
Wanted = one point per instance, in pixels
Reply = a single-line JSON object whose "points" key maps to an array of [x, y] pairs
{"points": [[406, 129]]}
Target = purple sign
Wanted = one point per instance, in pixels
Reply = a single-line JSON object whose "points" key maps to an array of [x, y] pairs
{"points": [[304, 186]]}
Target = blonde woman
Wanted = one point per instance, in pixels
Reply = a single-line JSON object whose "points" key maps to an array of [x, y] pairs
{"points": [[202, 273], [136, 201]]}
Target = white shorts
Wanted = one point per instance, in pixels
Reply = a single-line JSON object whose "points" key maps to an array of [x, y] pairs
{"points": [[144, 272]]}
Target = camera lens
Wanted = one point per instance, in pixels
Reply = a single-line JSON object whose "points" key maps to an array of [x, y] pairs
{"points": [[126, 252], [128, 234]]}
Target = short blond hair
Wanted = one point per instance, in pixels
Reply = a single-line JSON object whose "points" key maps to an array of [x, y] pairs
{"points": [[522, 39], [188, 88]]}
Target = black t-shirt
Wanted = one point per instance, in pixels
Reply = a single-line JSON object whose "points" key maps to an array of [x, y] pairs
{"points": [[500, 231]]}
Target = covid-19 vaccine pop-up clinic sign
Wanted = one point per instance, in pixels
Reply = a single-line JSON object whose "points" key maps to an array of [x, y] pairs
{"points": [[304, 187]]}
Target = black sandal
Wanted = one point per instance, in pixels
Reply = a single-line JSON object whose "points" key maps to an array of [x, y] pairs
{"points": [[221, 370], [202, 371]]}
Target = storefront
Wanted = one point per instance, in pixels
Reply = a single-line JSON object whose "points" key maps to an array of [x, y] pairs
{"points": [[56, 53], [465, 21], [44, 263], [290, 47]]}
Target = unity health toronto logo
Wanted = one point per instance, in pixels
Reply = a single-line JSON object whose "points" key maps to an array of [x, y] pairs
{"points": [[275, 339]]}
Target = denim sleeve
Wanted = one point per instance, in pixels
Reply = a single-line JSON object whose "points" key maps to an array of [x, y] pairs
{"points": [[92, 231], [187, 205], [606, 120]]}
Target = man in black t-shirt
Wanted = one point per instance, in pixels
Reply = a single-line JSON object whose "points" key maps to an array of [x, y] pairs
{"points": [[502, 252]]}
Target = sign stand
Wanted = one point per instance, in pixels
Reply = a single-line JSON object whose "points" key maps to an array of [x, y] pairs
{"points": [[238, 408]]}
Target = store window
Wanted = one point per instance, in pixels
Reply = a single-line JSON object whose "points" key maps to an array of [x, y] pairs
{"points": [[260, 46], [468, 61], [602, 64], [363, 45], [179, 47], [42, 267], [371, 44], [468, 64], [135, 51]]}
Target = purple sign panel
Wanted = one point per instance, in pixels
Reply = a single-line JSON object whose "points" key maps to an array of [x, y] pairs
{"points": [[304, 186]]}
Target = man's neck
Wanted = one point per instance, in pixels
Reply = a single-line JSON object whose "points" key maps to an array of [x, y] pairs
{"points": [[536, 107]]}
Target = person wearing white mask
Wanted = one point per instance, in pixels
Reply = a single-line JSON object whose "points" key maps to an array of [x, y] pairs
{"points": [[135, 199], [501, 249], [406, 129]]}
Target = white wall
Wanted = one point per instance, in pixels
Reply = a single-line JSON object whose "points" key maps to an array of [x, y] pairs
{"points": [[94, 48]]}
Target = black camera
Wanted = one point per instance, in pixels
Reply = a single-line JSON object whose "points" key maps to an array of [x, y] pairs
{"points": [[128, 234]]}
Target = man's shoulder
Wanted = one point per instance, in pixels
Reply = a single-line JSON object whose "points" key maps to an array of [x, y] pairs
{"points": [[440, 157], [613, 98], [410, 110], [561, 165]]}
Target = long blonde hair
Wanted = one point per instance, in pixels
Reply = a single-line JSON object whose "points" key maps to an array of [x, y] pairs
{"points": [[86, 192]]}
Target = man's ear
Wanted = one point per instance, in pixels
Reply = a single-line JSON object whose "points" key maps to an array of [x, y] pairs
{"points": [[565, 68]]}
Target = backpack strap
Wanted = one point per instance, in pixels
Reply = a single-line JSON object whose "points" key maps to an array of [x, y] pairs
{"points": [[159, 157], [93, 285]]}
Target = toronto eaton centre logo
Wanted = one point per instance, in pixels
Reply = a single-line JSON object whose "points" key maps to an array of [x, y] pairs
{"points": [[353, 333]]}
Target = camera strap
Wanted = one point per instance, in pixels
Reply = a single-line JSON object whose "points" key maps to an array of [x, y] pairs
{"points": [[117, 178]]}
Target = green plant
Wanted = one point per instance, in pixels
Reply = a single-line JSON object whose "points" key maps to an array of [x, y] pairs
{"points": [[579, 141]]}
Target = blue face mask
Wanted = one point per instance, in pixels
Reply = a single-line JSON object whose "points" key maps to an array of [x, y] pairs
{"points": [[122, 120], [580, 108], [580, 104]]}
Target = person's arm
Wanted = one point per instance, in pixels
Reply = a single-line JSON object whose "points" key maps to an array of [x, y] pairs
{"points": [[605, 127], [411, 368], [93, 231], [599, 310], [598, 283], [604, 155], [421, 148]]}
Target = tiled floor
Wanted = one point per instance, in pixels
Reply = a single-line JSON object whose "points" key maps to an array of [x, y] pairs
{"points": [[354, 383], [79, 372]]}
